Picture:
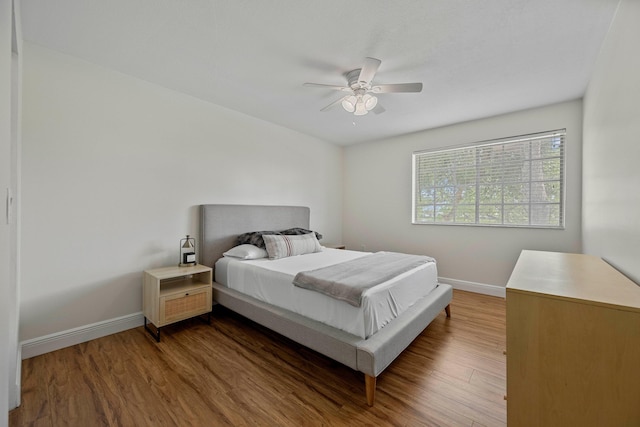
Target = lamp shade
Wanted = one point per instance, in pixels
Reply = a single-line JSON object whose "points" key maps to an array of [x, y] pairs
{"points": [[361, 110], [360, 103], [349, 103], [370, 102]]}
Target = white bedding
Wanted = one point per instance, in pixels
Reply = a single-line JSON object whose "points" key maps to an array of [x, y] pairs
{"points": [[271, 281]]}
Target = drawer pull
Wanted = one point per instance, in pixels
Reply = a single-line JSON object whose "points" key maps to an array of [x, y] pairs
{"points": [[187, 294]]}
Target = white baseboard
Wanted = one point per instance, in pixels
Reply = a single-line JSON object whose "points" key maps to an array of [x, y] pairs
{"points": [[58, 340], [479, 288], [41, 345]]}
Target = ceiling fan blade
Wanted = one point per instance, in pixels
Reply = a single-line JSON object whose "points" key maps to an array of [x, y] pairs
{"points": [[398, 87], [333, 87], [378, 109], [369, 70], [333, 104]]}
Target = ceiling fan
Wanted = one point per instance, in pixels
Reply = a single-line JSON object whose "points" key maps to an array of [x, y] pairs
{"points": [[359, 99]]}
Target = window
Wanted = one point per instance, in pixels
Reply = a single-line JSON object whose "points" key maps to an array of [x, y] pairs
{"points": [[512, 182]]}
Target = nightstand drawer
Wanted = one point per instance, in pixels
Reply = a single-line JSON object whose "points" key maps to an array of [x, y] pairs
{"points": [[184, 305]]}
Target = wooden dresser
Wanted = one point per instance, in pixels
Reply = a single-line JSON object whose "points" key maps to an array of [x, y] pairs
{"points": [[573, 343]]}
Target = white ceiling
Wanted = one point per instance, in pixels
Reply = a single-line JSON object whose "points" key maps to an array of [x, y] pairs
{"points": [[475, 58]]}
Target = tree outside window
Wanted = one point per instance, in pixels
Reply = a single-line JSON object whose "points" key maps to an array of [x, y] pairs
{"points": [[516, 182]]}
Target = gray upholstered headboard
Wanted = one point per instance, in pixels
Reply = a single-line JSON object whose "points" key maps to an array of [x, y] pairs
{"points": [[221, 224]]}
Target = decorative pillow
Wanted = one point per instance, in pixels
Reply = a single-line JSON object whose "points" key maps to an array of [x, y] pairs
{"points": [[246, 252], [299, 231], [254, 238], [279, 246]]}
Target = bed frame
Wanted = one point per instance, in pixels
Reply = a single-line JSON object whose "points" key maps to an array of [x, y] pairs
{"points": [[219, 227]]}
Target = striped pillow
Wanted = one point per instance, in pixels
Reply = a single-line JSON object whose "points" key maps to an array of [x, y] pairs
{"points": [[286, 246]]}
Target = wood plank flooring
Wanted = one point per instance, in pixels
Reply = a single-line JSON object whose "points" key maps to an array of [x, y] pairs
{"points": [[237, 373]]}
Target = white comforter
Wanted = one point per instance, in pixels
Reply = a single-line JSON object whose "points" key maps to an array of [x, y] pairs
{"points": [[271, 281]]}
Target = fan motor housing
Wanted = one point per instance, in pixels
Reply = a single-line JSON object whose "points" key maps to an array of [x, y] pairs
{"points": [[352, 78]]}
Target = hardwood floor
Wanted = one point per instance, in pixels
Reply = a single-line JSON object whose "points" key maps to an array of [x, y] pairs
{"points": [[237, 373]]}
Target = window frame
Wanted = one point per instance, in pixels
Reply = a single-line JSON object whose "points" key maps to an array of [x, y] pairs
{"points": [[561, 133]]}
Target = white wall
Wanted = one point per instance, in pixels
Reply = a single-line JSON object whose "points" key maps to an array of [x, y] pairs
{"points": [[377, 199], [611, 170], [113, 171]]}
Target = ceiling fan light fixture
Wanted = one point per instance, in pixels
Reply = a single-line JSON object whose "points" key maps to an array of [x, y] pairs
{"points": [[370, 102], [360, 89], [361, 110], [349, 103]]}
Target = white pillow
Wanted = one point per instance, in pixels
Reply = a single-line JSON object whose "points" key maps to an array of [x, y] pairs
{"points": [[281, 246], [246, 251]]}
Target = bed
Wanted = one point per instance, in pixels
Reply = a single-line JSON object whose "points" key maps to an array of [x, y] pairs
{"points": [[369, 352]]}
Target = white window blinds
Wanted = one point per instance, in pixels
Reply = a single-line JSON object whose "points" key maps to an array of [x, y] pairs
{"points": [[514, 182]]}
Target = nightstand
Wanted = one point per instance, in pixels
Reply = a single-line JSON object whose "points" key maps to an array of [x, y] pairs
{"points": [[171, 294]]}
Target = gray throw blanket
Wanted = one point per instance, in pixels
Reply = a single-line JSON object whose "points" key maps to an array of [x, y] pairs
{"points": [[348, 280]]}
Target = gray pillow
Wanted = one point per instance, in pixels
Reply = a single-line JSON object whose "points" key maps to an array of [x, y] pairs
{"points": [[254, 238], [299, 231]]}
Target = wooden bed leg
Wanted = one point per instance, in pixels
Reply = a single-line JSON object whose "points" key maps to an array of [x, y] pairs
{"points": [[370, 387], [447, 310]]}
